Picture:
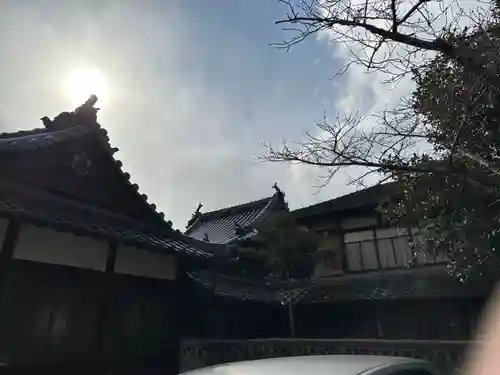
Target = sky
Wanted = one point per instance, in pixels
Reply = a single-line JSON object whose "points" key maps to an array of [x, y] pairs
{"points": [[193, 90]]}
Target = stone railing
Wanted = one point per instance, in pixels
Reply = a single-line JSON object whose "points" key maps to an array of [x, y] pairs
{"points": [[446, 355]]}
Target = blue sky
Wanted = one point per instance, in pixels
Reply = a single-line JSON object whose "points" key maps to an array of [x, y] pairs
{"points": [[194, 90]]}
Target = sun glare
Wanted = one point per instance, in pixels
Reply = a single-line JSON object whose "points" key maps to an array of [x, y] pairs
{"points": [[82, 83]]}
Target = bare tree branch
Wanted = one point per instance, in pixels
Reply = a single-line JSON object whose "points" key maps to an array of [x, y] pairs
{"points": [[431, 45], [410, 13], [394, 16], [417, 31]]}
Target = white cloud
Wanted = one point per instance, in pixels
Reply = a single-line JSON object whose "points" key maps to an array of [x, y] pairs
{"points": [[187, 107], [191, 98], [366, 92]]}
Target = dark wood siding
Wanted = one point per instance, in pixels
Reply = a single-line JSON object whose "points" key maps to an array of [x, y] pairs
{"points": [[52, 313], [419, 319]]}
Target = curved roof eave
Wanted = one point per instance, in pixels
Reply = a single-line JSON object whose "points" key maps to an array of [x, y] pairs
{"points": [[40, 138]]}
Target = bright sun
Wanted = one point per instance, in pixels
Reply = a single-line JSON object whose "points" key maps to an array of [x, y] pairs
{"points": [[79, 85]]}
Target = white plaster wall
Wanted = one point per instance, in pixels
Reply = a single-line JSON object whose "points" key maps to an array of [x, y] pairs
{"points": [[140, 262], [4, 223], [49, 246]]}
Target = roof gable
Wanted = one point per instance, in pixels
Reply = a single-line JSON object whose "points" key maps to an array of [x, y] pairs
{"points": [[65, 177], [75, 163], [228, 224]]}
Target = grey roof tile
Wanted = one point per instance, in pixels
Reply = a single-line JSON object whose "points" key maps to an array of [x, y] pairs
{"points": [[46, 209], [220, 225], [431, 281]]}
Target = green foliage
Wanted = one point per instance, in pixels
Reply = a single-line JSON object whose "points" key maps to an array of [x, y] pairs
{"points": [[452, 215], [450, 192], [458, 106], [456, 206], [285, 248]]}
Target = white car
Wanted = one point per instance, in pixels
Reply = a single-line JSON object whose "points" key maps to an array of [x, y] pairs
{"points": [[323, 365]]}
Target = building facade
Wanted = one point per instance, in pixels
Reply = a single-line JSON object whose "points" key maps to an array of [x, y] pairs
{"points": [[367, 282], [92, 277], [89, 270]]}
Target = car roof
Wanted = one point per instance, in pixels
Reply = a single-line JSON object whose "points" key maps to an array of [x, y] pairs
{"points": [[315, 364]]}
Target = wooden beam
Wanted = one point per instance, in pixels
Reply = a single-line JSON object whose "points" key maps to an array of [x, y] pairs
{"points": [[111, 259], [7, 251], [107, 293], [180, 316]]}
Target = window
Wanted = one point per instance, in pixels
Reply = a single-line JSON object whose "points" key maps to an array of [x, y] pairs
{"points": [[386, 253], [361, 250], [354, 262], [394, 247], [383, 248]]}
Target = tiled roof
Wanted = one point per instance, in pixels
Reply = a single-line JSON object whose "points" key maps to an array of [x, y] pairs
{"points": [[220, 226], [431, 281], [45, 209], [38, 138], [22, 133], [388, 284], [365, 198], [48, 209], [235, 287]]}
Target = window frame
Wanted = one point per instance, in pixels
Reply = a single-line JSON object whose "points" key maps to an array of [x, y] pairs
{"points": [[414, 262]]}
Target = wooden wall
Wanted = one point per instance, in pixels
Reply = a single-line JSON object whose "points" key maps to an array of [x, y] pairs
{"points": [[418, 319], [52, 313], [207, 316], [64, 299]]}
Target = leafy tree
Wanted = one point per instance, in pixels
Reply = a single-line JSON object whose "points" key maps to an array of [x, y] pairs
{"points": [[442, 144], [456, 206], [286, 247], [286, 250]]}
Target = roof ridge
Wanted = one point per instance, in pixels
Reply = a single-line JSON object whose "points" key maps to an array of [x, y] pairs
{"points": [[238, 207], [26, 140], [273, 201], [22, 133]]}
